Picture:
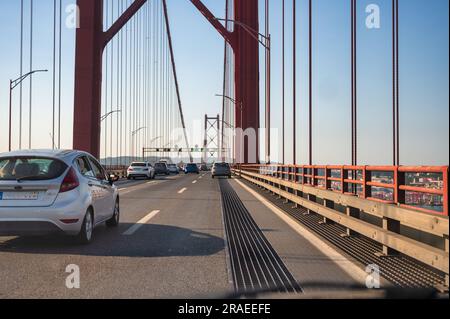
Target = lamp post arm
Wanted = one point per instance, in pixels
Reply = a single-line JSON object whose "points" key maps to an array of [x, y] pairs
{"points": [[16, 82]]}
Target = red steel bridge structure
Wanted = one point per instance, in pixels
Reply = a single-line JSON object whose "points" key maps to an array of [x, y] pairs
{"points": [[389, 192]]}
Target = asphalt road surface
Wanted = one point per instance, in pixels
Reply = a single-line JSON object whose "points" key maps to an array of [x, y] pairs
{"points": [[171, 243]]}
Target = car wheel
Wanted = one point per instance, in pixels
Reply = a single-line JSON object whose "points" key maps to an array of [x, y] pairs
{"points": [[115, 219], [87, 229]]}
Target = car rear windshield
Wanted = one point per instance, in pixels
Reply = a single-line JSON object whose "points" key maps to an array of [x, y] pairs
{"points": [[160, 165], [224, 165], [192, 165], [138, 165], [30, 168]]}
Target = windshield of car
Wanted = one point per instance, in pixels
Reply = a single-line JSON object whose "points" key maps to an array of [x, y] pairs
{"points": [[160, 165], [222, 165], [191, 166], [30, 168], [138, 165]]}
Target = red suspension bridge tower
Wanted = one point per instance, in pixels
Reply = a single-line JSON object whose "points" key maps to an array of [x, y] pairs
{"points": [[91, 41]]}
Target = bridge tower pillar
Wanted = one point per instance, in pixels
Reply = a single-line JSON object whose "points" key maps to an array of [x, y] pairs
{"points": [[243, 40], [89, 45]]}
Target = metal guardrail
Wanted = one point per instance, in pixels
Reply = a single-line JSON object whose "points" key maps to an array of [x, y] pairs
{"points": [[341, 194], [360, 181]]}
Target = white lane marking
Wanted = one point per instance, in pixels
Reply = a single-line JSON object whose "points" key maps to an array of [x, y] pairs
{"points": [[140, 223], [194, 182], [181, 191], [135, 188], [342, 262]]}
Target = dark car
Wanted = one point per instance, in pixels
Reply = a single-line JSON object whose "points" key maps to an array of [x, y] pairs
{"points": [[221, 170], [191, 169], [161, 169]]}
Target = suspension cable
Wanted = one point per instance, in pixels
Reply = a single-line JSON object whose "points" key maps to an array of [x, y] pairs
{"points": [[21, 72], [294, 85], [31, 75]]}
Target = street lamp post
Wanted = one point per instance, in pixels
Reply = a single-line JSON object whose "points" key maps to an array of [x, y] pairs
{"points": [[104, 117], [266, 43], [238, 104], [12, 85], [133, 134]]}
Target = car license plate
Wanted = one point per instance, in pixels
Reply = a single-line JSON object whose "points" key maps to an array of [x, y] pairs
{"points": [[19, 195]]}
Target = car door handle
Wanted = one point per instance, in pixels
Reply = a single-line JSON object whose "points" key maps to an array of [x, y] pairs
{"points": [[91, 184]]}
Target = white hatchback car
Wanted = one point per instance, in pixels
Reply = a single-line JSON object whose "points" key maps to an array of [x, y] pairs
{"points": [[44, 192]]}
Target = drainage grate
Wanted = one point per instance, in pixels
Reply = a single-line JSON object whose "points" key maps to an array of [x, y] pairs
{"points": [[254, 263], [400, 270]]}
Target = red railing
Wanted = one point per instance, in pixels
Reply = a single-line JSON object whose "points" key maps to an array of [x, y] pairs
{"points": [[423, 188]]}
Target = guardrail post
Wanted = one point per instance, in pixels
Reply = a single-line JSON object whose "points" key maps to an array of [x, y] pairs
{"points": [[393, 226], [327, 175], [355, 213], [344, 176], [447, 251], [399, 179], [328, 204], [295, 181], [445, 189], [366, 189]]}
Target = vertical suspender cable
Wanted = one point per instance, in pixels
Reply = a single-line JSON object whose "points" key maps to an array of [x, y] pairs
{"points": [[356, 81], [54, 75], [223, 89], [354, 84], [310, 87], [31, 76], [352, 63], [394, 89], [120, 139], [106, 83], [125, 115], [397, 78], [59, 73], [21, 74], [294, 82], [174, 70], [118, 86], [283, 79], [113, 41], [267, 75]]}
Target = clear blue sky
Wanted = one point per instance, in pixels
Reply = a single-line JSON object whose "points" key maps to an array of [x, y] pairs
{"points": [[424, 76]]}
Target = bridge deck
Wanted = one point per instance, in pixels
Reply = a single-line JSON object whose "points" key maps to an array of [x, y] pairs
{"points": [[177, 252]]}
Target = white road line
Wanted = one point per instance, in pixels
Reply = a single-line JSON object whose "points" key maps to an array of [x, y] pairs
{"points": [[181, 191], [342, 262], [194, 182], [140, 223]]}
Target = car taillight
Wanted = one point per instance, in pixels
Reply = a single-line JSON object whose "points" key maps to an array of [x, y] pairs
{"points": [[70, 182], [130, 169]]}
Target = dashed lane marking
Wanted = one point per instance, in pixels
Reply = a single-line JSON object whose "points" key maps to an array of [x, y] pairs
{"points": [[140, 223]]}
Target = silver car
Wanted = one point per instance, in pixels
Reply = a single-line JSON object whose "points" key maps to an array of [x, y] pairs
{"points": [[46, 192]]}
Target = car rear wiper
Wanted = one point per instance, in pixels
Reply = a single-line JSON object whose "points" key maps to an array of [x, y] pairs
{"points": [[19, 179]]}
